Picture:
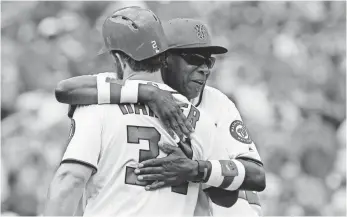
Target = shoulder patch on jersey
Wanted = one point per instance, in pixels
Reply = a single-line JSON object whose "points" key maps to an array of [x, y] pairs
{"points": [[239, 131], [72, 130]]}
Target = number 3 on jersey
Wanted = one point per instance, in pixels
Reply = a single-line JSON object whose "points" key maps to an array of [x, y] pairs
{"points": [[134, 135]]}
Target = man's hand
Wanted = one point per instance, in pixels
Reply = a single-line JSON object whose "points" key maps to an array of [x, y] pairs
{"points": [[173, 170], [167, 108]]}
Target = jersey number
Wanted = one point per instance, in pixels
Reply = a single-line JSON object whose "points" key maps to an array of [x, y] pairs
{"points": [[134, 135]]}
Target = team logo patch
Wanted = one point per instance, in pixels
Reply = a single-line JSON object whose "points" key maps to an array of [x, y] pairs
{"points": [[239, 131], [201, 31], [72, 130]]}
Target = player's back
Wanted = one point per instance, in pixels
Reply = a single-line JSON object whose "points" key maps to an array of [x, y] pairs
{"points": [[130, 134]]}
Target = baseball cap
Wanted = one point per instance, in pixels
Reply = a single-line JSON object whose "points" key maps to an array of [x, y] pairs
{"points": [[136, 31], [185, 33]]}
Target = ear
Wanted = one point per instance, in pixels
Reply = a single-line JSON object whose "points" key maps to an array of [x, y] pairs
{"points": [[164, 60]]}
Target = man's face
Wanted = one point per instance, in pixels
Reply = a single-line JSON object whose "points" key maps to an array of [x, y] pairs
{"points": [[188, 71]]}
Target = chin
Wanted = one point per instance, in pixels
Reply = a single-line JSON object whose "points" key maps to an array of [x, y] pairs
{"points": [[192, 95], [195, 92]]}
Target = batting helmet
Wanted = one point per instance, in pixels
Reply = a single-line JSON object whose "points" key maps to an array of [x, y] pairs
{"points": [[185, 33], [135, 31]]}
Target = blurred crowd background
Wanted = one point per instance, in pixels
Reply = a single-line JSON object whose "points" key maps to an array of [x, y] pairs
{"points": [[285, 70]]}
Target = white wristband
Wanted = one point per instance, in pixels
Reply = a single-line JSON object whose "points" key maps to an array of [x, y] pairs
{"points": [[216, 177], [129, 92], [231, 182], [104, 90]]}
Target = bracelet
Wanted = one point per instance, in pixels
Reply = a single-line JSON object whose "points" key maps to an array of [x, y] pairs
{"points": [[129, 92], [200, 175], [204, 171]]}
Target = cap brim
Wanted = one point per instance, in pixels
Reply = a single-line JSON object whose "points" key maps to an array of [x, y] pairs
{"points": [[211, 49], [217, 49]]}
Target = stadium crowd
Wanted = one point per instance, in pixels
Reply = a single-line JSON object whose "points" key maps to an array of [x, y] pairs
{"points": [[285, 71]]}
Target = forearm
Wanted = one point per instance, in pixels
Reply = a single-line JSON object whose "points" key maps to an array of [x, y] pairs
{"points": [[222, 197], [254, 177], [63, 205], [63, 197], [226, 196], [231, 175], [87, 90], [82, 96], [81, 90]]}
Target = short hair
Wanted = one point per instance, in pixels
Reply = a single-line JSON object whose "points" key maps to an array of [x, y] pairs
{"points": [[150, 65]]}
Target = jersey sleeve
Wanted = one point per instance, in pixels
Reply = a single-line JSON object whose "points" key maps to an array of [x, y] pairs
{"points": [[221, 146], [234, 132], [85, 137]]}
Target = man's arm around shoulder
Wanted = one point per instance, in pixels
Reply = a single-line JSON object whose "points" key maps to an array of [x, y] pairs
{"points": [[81, 90]]}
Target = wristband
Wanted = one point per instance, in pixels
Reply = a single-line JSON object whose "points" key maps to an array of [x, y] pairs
{"points": [[129, 92], [104, 90], [227, 174], [216, 177]]}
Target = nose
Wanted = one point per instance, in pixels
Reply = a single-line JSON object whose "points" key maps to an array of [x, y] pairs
{"points": [[203, 69]]}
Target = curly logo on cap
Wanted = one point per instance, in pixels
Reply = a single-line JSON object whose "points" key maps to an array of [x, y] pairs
{"points": [[201, 31], [239, 131]]}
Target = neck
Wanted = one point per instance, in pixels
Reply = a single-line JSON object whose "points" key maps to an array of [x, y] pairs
{"points": [[154, 76]]}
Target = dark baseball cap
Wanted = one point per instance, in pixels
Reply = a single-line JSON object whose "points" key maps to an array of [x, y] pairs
{"points": [[183, 33]]}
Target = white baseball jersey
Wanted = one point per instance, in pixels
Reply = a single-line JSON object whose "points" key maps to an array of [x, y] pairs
{"points": [[113, 139], [228, 120]]}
